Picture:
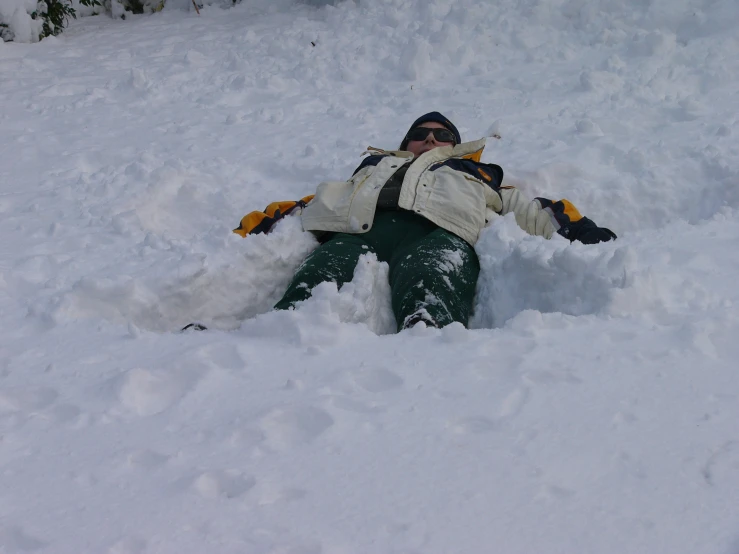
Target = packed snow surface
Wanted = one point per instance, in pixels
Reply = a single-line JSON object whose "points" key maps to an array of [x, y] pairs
{"points": [[593, 406]]}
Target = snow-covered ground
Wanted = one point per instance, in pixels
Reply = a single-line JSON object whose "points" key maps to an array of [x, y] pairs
{"points": [[593, 407]]}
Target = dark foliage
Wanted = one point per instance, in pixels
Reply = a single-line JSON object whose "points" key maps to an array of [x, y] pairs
{"points": [[56, 14]]}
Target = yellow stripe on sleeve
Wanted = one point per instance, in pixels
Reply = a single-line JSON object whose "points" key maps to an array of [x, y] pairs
{"points": [[571, 211], [282, 206], [248, 222]]}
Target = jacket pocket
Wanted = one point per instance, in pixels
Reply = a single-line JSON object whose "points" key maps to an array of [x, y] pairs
{"points": [[458, 199], [331, 203]]}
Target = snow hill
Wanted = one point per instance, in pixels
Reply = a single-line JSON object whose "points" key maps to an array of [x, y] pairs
{"points": [[592, 408]]}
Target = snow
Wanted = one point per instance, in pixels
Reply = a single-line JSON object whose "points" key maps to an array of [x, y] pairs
{"points": [[592, 406], [16, 16]]}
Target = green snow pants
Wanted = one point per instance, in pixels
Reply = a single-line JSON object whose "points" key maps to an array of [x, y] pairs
{"points": [[433, 273]]}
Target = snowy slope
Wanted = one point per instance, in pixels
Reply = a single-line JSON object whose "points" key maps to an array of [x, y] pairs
{"points": [[592, 407]]}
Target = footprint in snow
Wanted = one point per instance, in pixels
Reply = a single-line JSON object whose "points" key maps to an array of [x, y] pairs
{"points": [[16, 539], [147, 392], [63, 413], [245, 439], [474, 426], [26, 399], [623, 418], [514, 402], [351, 405], [145, 459], [223, 356], [511, 405], [271, 494], [296, 548], [722, 466], [378, 380], [222, 484], [553, 493], [128, 545], [538, 377], [285, 428]]}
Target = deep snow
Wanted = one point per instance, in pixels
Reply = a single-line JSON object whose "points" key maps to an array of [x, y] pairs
{"points": [[592, 407]]}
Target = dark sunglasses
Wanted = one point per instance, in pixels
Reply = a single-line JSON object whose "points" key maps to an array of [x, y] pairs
{"points": [[441, 135]]}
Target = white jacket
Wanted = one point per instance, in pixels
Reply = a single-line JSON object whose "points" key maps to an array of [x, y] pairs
{"points": [[459, 197]]}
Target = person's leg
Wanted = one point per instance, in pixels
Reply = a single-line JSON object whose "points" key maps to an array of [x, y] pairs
{"points": [[434, 280], [394, 230], [334, 260]]}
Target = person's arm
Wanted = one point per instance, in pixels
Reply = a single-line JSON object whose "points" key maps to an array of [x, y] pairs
{"points": [[568, 222], [544, 217], [255, 223]]}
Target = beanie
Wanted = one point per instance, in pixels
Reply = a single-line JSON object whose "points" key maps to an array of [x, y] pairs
{"points": [[438, 118]]}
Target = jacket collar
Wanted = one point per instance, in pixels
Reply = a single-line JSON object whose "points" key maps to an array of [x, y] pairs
{"points": [[371, 150], [467, 150]]}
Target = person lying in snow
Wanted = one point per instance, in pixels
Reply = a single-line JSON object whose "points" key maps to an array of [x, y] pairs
{"points": [[420, 209]]}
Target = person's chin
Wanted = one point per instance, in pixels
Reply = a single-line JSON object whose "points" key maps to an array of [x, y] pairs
{"points": [[433, 148]]}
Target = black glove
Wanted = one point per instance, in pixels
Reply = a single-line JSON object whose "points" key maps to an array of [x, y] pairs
{"points": [[596, 235], [586, 231], [193, 327]]}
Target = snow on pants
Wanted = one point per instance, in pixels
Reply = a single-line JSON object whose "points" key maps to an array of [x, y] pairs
{"points": [[432, 271]]}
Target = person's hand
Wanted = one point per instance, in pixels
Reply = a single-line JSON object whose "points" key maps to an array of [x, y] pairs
{"points": [[193, 327], [596, 235], [586, 231]]}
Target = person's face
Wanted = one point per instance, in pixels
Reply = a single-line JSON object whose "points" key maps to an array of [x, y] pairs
{"points": [[418, 147]]}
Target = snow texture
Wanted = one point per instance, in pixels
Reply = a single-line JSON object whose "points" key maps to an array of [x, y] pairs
{"points": [[591, 407]]}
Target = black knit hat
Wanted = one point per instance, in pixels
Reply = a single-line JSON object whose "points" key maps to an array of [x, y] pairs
{"points": [[438, 118]]}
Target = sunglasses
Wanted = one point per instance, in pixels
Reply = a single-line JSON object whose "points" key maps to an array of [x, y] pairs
{"points": [[441, 135]]}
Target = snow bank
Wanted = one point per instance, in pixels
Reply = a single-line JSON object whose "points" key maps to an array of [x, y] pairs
{"points": [[592, 405]]}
